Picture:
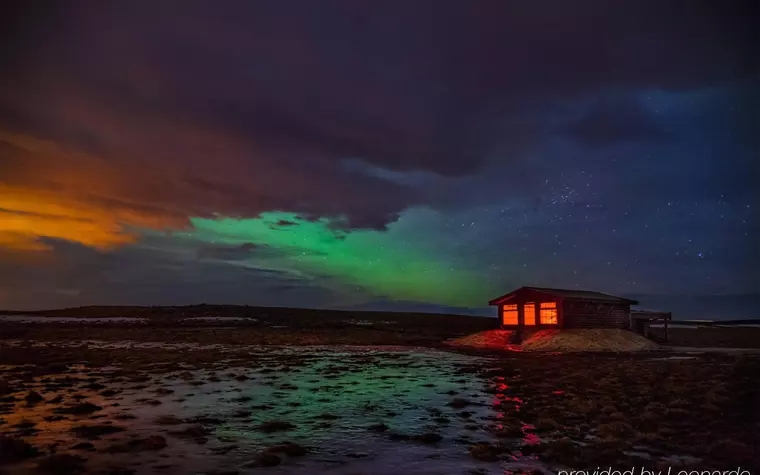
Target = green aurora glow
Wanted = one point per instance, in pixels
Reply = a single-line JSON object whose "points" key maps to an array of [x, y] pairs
{"points": [[392, 263]]}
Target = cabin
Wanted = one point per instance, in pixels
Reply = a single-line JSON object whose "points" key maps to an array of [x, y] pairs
{"points": [[540, 308]]}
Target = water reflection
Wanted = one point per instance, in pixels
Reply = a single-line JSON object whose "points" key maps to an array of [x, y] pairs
{"points": [[352, 410]]}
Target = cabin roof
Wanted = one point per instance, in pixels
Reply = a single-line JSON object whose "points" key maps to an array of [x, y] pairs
{"points": [[568, 294]]}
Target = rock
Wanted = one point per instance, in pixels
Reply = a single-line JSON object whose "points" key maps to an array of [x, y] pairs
{"points": [[168, 420], [328, 417], [264, 460], [53, 418], [563, 450], [288, 448], [196, 432], [275, 426], [206, 420], [83, 446], [153, 442], [116, 471], [546, 425], [377, 428], [13, 450], [398, 436], [508, 432], [459, 403], [62, 464], [224, 450], [24, 424], [485, 452], [33, 397], [124, 416], [56, 368], [357, 455], [79, 409], [427, 438], [95, 431]]}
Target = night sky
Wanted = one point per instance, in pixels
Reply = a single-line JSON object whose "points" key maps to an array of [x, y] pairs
{"points": [[399, 155]]}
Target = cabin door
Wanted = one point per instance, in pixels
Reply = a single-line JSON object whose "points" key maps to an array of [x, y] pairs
{"points": [[529, 313]]}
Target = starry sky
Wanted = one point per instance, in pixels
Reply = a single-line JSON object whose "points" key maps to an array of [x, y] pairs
{"points": [[389, 155]]}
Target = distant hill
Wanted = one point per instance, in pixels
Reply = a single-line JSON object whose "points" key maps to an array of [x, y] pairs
{"points": [[420, 307], [274, 316], [708, 307]]}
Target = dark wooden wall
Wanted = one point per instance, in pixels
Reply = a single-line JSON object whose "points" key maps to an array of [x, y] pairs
{"points": [[588, 314]]}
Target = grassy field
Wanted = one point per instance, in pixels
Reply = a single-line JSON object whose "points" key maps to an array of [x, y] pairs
{"points": [[133, 406], [715, 337], [281, 325], [577, 411]]}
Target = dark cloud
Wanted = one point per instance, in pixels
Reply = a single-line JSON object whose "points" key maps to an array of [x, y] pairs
{"points": [[275, 96], [227, 253], [117, 118], [616, 121], [281, 223], [390, 305], [75, 275]]}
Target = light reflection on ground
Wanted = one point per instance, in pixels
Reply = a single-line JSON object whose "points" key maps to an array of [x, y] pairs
{"points": [[335, 398]]}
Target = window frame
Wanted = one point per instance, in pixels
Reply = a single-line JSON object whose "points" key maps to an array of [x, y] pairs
{"points": [[525, 314], [552, 318], [504, 312]]}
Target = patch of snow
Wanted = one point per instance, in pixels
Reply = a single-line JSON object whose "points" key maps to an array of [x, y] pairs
{"points": [[681, 459], [689, 350], [219, 319], [643, 455], [88, 320]]}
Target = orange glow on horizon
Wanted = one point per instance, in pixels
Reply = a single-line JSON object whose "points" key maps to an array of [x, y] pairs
{"points": [[27, 216], [79, 203]]}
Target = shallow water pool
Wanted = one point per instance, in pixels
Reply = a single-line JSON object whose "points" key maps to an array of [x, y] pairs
{"points": [[355, 410]]}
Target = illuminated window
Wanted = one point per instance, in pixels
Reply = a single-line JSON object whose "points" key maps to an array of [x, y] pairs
{"points": [[509, 315], [548, 313], [529, 311]]}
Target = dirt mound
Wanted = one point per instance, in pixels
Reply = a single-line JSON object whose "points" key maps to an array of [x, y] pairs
{"points": [[598, 339], [491, 339]]}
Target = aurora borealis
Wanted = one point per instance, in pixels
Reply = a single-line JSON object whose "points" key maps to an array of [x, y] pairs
{"points": [[393, 262], [384, 155]]}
